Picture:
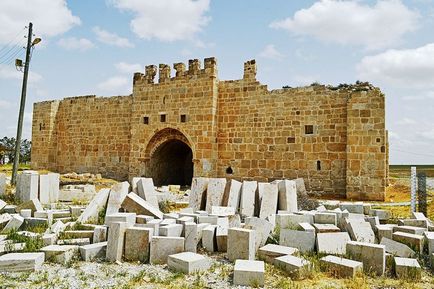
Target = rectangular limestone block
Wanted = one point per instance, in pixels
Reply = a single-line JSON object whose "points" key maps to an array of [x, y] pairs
{"points": [[117, 195], [93, 251], [171, 230], [302, 240], [429, 237], [188, 262], [356, 208], [115, 241], [291, 221], [215, 191], [361, 232], [129, 218], [146, 190], [18, 262], [2, 185], [197, 195], [97, 204], [262, 229], [27, 186], [241, 244], [233, 198], [372, 256], [221, 235], [288, 196], [410, 230], [269, 252], [222, 211], [13, 224], [162, 247], [385, 230], [325, 218], [62, 254], [248, 196], [249, 273], [133, 203], [293, 266], [414, 241], [137, 244], [324, 228], [332, 243], [32, 204], [209, 242], [341, 267], [397, 249], [268, 199], [99, 234], [407, 268]]}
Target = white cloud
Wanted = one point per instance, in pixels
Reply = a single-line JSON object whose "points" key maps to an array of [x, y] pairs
{"points": [[427, 134], [271, 52], [9, 72], [111, 38], [352, 22], [129, 68], [116, 85], [420, 95], [166, 20], [5, 104], [402, 68], [72, 43], [49, 17], [406, 121]]}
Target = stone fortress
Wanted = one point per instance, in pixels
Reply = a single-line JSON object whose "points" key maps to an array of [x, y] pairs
{"points": [[193, 124]]}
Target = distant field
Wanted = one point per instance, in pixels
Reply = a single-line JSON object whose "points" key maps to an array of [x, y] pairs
{"points": [[404, 170]]}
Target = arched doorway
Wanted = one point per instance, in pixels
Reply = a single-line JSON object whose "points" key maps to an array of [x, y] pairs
{"points": [[169, 157]]}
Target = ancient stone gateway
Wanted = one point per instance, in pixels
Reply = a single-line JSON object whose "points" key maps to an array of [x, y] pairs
{"points": [[191, 123], [169, 158]]}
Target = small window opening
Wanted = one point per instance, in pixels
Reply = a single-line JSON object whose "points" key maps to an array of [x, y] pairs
{"points": [[229, 171], [290, 139], [162, 118], [40, 126], [183, 118], [378, 139], [318, 165], [146, 120], [383, 149], [308, 129], [297, 112]]}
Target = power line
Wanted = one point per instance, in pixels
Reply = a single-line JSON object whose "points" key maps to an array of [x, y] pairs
{"points": [[12, 58], [7, 57], [13, 39]]}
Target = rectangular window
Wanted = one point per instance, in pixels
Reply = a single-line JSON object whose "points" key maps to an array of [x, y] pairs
{"points": [[308, 129], [146, 120], [162, 118], [183, 118]]}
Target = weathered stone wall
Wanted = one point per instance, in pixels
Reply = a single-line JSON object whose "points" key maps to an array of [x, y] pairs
{"points": [[334, 138]]}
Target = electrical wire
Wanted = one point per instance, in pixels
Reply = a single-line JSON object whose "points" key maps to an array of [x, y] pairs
{"points": [[15, 37], [12, 56]]}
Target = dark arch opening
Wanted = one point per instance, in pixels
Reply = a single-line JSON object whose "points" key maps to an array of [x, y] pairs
{"points": [[172, 164]]}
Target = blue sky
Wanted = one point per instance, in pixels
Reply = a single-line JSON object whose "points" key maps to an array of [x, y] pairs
{"points": [[93, 47]]}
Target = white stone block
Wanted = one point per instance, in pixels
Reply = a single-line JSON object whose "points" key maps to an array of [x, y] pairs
{"points": [[372, 256], [133, 203], [18, 262], [341, 267], [146, 190], [62, 254], [137, 244], [188, 262], [93, 251], [302, 240], [162, 247], [198, 188], [414, 241], [14, 224], [361, 232], [429, 236], [171, 230], [221, 235], [269, 252], [27, 185], [332, 243], [397, 248], [295, 267], [249, 273], [209, 242], [407, 268], [262, 230], [97, 204], [115, 241], [287, 221], [2, 185], [288, 196], [128, 218], [241, 244], [234, 195], [248, 196], [117, 195], [222, 211], [215, 192], [268, 198], [325, 218], [356, 208]]}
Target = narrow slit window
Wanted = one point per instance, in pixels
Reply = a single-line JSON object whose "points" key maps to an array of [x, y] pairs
{"points": [[146, 120], [318, 165], [162, 118], [183, 118]]}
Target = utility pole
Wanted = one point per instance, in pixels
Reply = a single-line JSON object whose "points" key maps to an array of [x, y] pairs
{"points": [[22, 107]]}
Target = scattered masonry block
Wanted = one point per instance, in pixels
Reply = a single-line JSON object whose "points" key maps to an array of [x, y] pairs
{"points": [[62, 254], [18, 262], [99, 234], [26, 213], [410, 229], [2, 203], [193, 235], [137, 243], [287, 221], [2, 185], [221, 235], [222, 211], [418, 216], [215, 192], [4, 219], [356, 208], [269, 252], [384, 231], [325, 218], [97, 204], [13, 224], [397, 249], [117, 195], [10, 209], [241, 244], [233, 198], [171, 230], [293, 266], [76, 241], [361, 232], [188, 262], [308, 227], [154, 225], [341, 267], [78, 234], [249, 273], [332, 243], [198, 188], [372, 256], [93, 251], [248, 197], [287, 196], [35, 222], [27, 186], [429, 236], [414, 223], [262, 229], [133, 203], [324, 228], [162, 247], [302, 240], [268, 198], [414, 241], [115, 241], [49, 239], [146, 190], [407, 268], [209, 242], [32, 204], [8, 246], [143, 219], [383, 215], [128, 218]]}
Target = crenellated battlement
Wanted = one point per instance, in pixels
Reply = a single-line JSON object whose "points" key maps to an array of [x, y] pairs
{"points": [[195, 70]]}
